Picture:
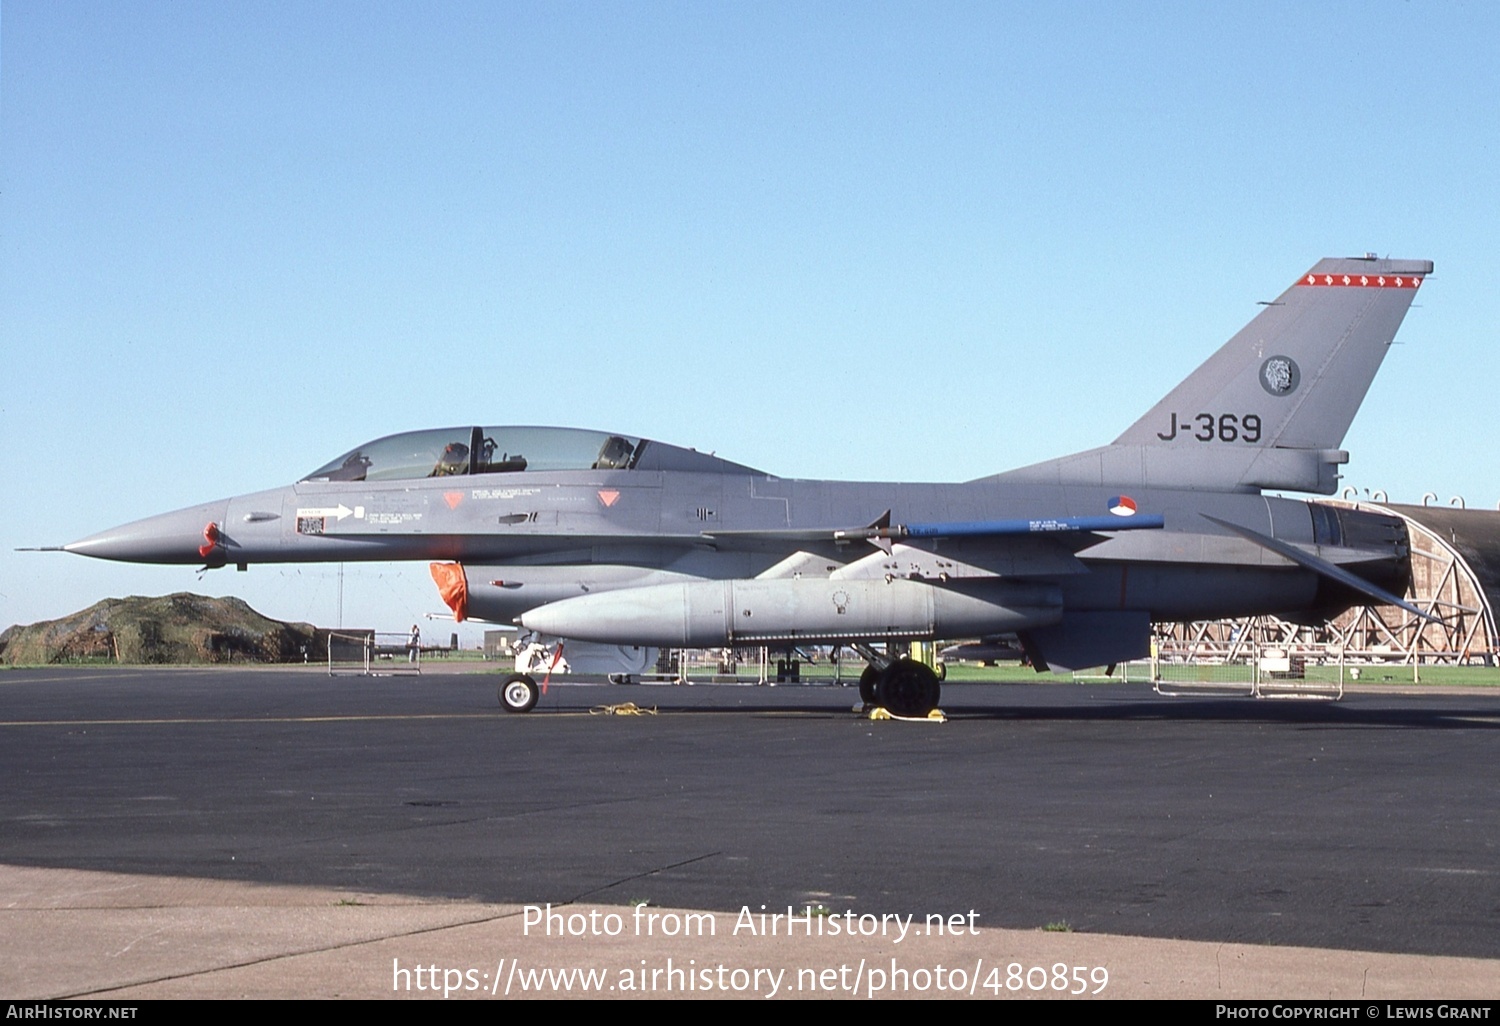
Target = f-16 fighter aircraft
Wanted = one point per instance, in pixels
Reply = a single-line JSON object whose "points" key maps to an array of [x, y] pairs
{"points": [[601, 537]]}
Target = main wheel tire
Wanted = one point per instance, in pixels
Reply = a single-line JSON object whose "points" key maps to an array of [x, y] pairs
{"points": [[908, 688], [867, 681], [519, 693]]}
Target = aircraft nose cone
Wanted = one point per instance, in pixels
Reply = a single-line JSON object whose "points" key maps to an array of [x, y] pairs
{"points": [[168, 538]]}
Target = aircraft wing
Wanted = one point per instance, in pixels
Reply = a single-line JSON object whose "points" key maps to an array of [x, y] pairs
{"points": [[1021, 557], [1018, 557], [1075, 533]]}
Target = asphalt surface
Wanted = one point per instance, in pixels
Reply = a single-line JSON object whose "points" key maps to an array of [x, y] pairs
{"points": [[1372, 824]]}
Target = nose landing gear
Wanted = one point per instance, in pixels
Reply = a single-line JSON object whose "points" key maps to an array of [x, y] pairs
{"points": [[519, 693]]}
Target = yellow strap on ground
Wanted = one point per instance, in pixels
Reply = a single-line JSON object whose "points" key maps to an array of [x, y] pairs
{"points": [[623, 709], [880, 712]]}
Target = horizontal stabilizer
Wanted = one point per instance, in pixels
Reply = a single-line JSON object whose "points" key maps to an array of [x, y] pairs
{"points": [[1332, 571]]}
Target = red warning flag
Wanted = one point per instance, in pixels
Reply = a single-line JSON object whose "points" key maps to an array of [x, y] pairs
{"points": [[210, 539], [453, 586]]}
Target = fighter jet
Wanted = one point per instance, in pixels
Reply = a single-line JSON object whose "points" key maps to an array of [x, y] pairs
{"points": [[594, 536]]}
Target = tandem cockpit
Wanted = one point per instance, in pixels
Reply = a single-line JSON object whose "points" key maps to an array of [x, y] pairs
{"points": [[465, 451]]}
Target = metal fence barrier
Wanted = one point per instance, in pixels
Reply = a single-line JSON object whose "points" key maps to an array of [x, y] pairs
{"points": [[372, 654]]}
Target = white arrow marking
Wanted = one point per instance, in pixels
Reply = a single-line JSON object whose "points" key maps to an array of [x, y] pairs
{"points": [[338, 512]]}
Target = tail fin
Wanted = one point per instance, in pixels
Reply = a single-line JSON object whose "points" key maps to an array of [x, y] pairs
{"points": [[1271, 407], [1302, 367]]}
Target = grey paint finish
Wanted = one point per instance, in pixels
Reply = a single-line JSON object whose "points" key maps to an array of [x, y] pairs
{"points": [[675, 534]]}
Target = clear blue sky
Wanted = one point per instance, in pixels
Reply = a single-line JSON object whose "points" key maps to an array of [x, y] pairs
{"points": [[879, 241]]}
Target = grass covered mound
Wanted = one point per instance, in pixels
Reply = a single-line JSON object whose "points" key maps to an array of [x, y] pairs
{"points": [[181, 628]]}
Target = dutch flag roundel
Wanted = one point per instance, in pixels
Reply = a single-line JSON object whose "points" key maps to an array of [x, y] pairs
{"points": [[1122, 506]]}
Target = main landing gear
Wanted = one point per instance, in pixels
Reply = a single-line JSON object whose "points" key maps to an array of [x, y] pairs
{"points": [[904, 687]]}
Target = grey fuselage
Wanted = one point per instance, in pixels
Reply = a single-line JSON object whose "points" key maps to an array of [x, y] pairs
{"points": [[544, 536]]}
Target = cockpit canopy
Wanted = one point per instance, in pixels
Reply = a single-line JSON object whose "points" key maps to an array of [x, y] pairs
{"points": [[462, 451]]}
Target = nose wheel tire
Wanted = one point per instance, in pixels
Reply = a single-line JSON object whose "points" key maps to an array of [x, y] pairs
{"points": [[519, 693]]}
